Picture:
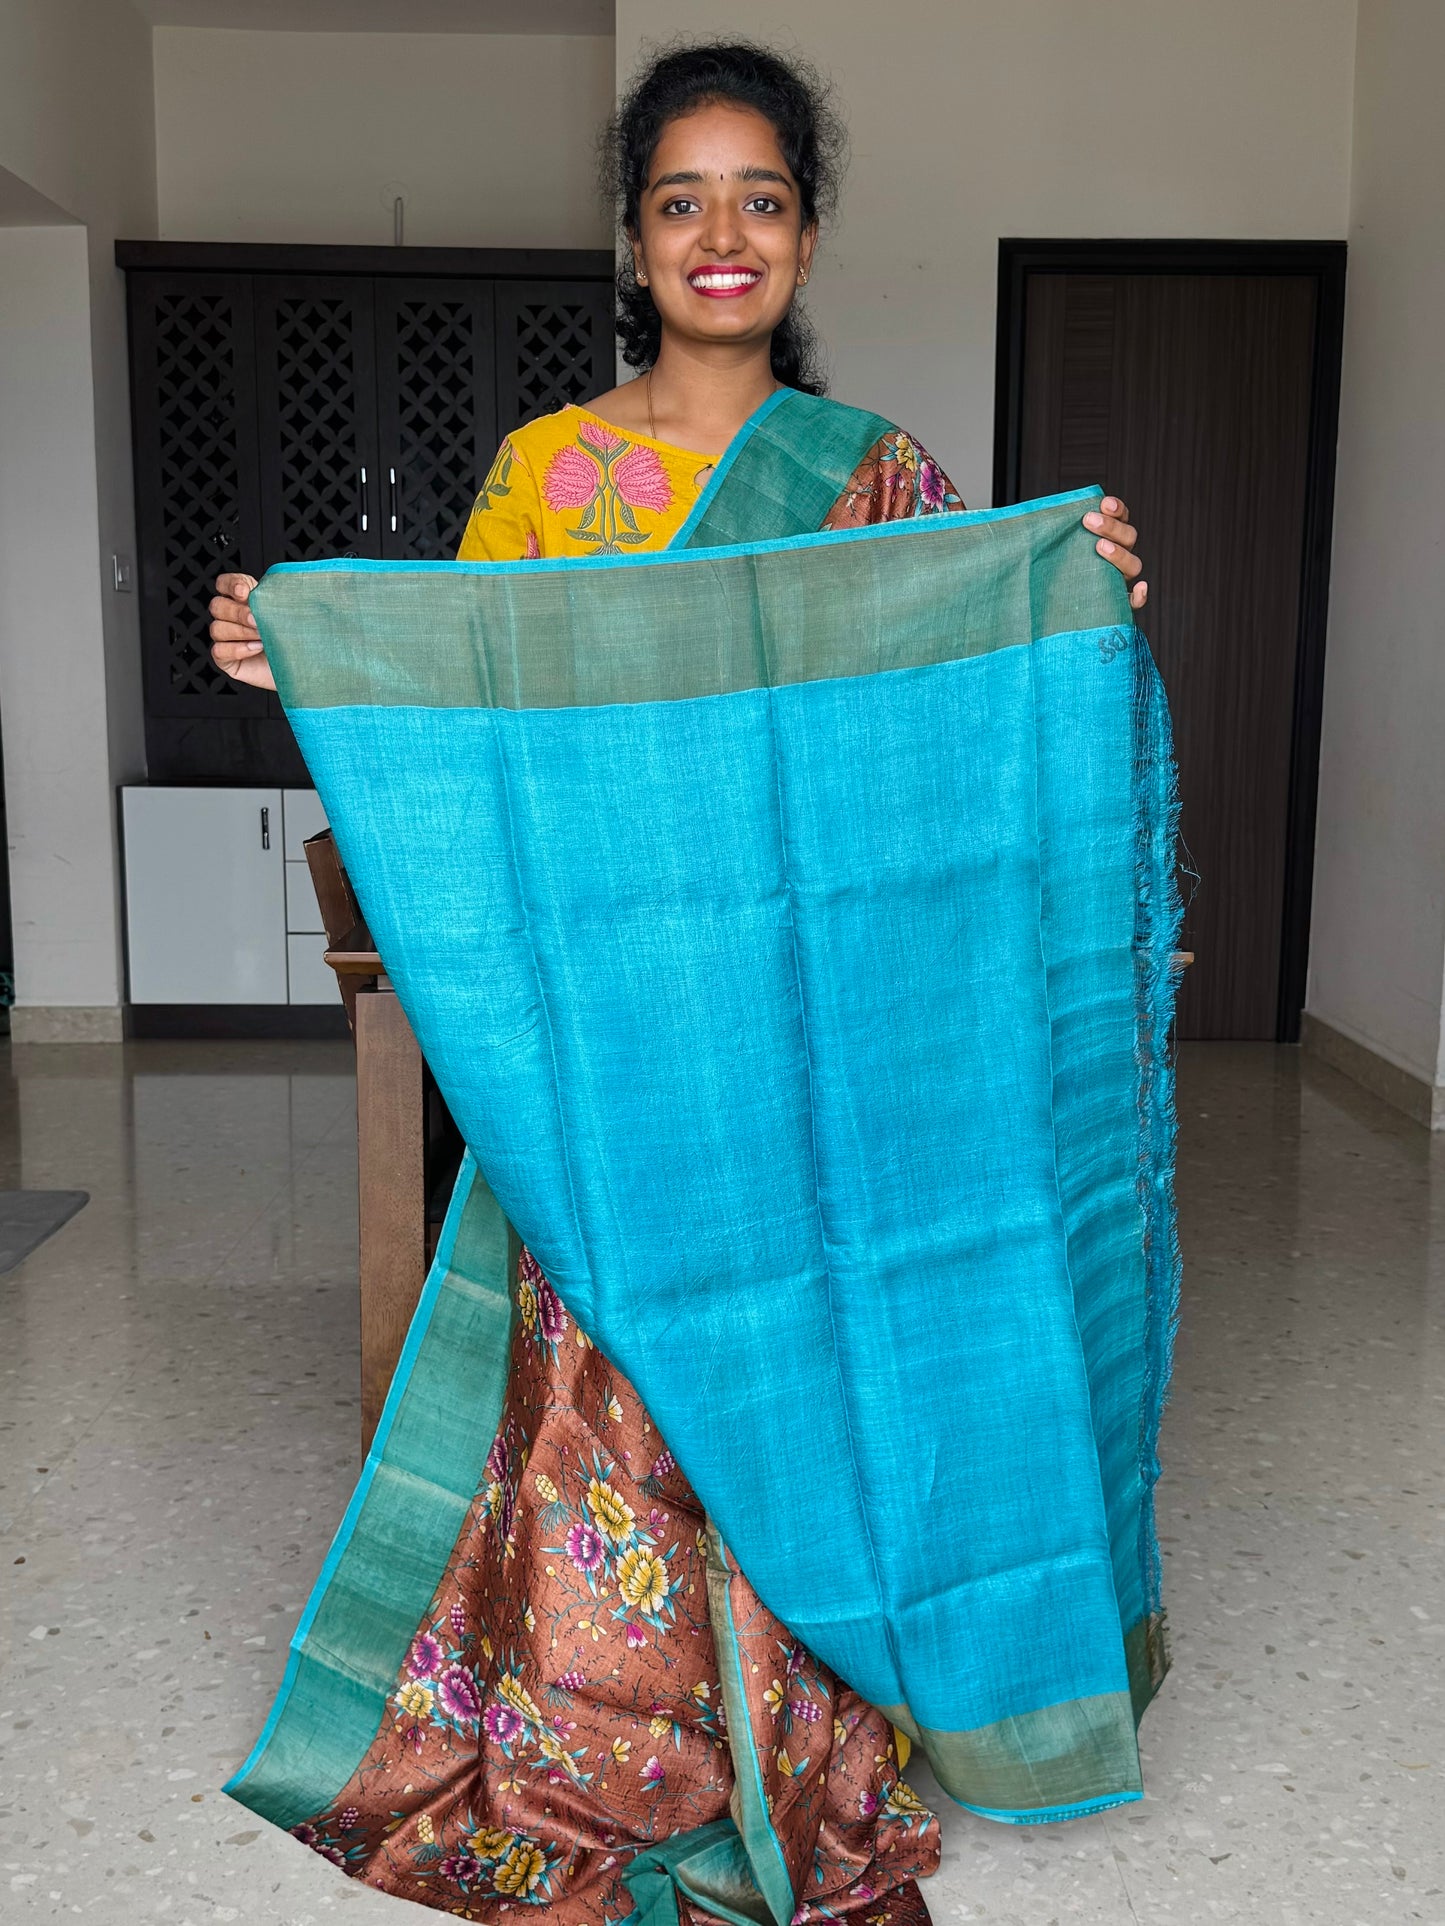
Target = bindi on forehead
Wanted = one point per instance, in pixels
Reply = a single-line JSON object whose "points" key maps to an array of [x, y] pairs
{"points": [[695, 176]]}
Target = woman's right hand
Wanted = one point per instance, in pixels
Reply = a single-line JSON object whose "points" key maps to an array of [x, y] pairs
{"points": [[236, 646]]}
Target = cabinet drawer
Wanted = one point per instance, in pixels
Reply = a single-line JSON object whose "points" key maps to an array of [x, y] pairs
{"points": [[304, 817], [303, 912]]}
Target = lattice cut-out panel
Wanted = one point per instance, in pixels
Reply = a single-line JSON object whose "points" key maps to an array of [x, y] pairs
{"points": [[436, 348], [318, 404], [556, 356], [200, 476]]}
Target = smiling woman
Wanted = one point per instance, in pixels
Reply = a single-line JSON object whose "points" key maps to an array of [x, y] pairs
{"points": [[595, 1714]]}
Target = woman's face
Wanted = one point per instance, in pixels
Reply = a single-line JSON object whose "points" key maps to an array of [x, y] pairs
{"points": [[721, 241]]}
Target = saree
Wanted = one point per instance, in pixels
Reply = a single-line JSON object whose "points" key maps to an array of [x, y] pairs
{"points": [[789, 922]]}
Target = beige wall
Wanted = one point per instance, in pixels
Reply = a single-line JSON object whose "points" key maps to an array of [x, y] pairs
{"points": [[1378, 955], [971, 120], [309, 137], [76, 127]]}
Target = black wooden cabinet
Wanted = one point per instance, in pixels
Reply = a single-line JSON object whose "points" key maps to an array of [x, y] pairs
{"points": [[292, 404]]}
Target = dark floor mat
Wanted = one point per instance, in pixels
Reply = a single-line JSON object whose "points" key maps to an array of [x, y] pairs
{"points": [[28, 1217]]}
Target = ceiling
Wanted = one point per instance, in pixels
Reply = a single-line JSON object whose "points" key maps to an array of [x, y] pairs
{"points": [[387, 16]]}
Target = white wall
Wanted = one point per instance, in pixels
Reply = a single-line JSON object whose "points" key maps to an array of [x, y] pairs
{"points": [[1378, 954], [309, 137], [972, 120], [77, 127]]}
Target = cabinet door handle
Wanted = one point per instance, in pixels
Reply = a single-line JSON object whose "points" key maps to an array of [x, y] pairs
{"points": [[265, 827], [392, 473], [361, 501]]}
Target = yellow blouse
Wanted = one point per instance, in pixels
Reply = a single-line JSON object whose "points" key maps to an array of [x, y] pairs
{"points": [[572, 484]]}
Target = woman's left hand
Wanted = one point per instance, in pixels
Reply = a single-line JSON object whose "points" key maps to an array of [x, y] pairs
{"points": [[1117, 536]]}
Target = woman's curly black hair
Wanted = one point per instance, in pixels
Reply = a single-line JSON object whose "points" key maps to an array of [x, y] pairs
{"points": [[678, 80]]}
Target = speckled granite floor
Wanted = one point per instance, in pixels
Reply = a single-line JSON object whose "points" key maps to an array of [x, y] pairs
{"points": [[178, 1437]]}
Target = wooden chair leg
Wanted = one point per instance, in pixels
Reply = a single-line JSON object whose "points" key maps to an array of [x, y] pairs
{"points": [[391, 1158]]}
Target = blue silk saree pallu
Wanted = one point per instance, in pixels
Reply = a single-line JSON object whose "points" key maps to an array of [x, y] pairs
{"points": [[790, 927]]}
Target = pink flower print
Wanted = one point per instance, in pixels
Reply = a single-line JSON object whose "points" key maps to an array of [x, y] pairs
{"points": [[426, 1655], [551, 1318], [502, 1723], [642, 480], [585, 1547], [867, 1803], [930, 484], [458, 1618], [495, 1468], [635, 1637], [457, 1695], [571, 481], [663, 1465], [599, 435], [348, 1818], [533, 550], [572, 1681], [460, 1866], [805, 1710], [653, 1773]]}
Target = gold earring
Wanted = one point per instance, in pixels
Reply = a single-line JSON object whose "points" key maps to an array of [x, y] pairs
{"points": [[641, 280], [803, 279]]}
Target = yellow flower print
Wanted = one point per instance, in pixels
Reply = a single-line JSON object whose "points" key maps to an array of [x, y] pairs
{"points": [[903, 1802], [621, 1750], [615, 1519], [773, 1697], [702, 1692], [642, 1578], [906, 451], [659, 1725], [840, 1732], [614, 1408], [547, 1489], [486, 1646], [529, 1619], [425, 1831], [785, 1764], [511, 1689], [415, 1700], [492, 1843], [553, 1751], [521, 1869], [492, 1499], [527, 1304]]}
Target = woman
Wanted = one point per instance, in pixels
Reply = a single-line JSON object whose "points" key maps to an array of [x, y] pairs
{"points": [[560, 1708]]}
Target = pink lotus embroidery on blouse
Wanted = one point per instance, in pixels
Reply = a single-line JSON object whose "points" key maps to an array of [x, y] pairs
{"points": [[607, 478]]}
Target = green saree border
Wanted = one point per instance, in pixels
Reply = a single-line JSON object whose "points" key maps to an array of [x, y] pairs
{"points": [[785, 469], [385, 634], [761, 1844], [400, 1527]]}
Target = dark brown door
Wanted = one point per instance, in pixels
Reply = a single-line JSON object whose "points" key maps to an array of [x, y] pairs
{"points": [[436, 396], [321, 494], [555, 343], [1196, 396]]}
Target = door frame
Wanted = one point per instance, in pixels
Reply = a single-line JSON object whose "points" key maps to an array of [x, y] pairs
{"points": [[1324, 262]]}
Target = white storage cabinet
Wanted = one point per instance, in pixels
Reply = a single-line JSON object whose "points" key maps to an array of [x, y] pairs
{"points": [[219, 903]]}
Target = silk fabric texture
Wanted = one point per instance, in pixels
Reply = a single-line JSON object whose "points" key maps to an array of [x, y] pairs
{"points": [[789, 921]]}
